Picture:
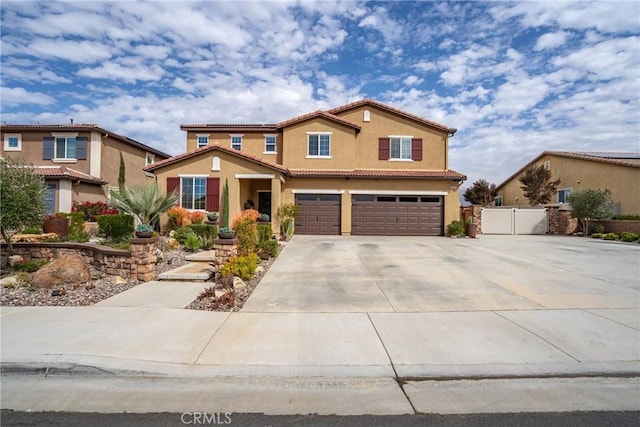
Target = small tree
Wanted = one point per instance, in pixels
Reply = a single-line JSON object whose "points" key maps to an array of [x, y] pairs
{"points": [[590, 204], [121, 172], [144, 201], [480, 193], [21, 198], [537, 185], [224, 215]]}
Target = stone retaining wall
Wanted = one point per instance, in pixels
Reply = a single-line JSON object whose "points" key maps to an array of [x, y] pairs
{"points": [[618, 226], [560, 221], [139, 263]]}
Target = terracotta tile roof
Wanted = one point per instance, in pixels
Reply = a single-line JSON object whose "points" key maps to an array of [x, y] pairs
{"points": [[216, 147], [621, 159], [318, 113], [394, 110], [222, 127], [63, 172], [82, 127], [377, 173]]}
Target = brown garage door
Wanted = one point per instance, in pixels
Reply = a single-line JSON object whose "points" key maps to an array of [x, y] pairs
{"points": [[319, 214], [397, 215]]}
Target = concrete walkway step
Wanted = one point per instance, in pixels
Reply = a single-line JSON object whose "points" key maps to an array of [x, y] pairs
{"points": [[157, 294], [204, 256], [193, 272]]}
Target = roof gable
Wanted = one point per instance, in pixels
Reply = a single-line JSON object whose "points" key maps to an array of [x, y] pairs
{"points": [[393, 110], [317, 114], [215, 147], [619, 159]]}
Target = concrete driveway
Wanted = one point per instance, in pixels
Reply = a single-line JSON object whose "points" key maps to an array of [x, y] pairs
{"points": [[422, 274]]}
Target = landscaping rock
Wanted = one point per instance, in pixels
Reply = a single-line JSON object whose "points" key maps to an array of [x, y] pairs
{"points": [[69, 269], [15, 259], [32, 238], [238, 284], [119, 280]]}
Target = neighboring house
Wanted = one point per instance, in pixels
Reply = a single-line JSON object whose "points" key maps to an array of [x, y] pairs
{"points": [[362, 168], [79, 162], [618, 172]]}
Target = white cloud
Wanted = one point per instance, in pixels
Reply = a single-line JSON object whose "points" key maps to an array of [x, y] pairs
{"points": [[84, 52], [12, 96], [413, 80], [128, 74], [550, 40]]}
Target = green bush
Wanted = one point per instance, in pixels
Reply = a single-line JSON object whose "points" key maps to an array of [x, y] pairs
{"points": [[628, 236], [76, 231], [610, 236], [181, 233], [30, 266], [192, 242], [456, 228], [32, 230], [264, 233], [268, 249], [115, 227], [596, 228], [206, 232], [597, 235], [627, 217], [243, 266]]}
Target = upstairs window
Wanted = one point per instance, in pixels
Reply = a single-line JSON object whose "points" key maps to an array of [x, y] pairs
{"points": [[236, 142], [150, 158], [400, 148], [203, 140], [269, 144], [12, 142], [65, 148], [318, 145]]}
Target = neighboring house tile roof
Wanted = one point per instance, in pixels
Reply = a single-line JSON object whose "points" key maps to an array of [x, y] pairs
{"points": [[82, 127], [377, 173], [621, 159], [313, 115], [63, 172], [394, 110], [216, 147]]}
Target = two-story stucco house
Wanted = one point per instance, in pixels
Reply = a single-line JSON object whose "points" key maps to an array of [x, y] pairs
{"points": [[618, 172], [79, 162], [362, 168]]}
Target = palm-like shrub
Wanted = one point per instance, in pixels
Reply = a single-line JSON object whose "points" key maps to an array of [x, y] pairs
{"points": [[144, 201]]}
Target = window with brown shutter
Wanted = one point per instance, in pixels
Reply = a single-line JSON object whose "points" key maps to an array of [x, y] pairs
{"points": [[173, 184], [213, 195]]}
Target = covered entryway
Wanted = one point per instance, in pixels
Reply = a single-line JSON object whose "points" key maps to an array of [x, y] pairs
{"points": [[385, 215], [319, 214], [514, 221]]}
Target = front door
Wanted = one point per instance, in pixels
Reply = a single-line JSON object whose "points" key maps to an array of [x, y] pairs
{"points": [[264, 202]]}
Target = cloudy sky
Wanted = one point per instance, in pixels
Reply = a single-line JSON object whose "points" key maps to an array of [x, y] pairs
{"points": [[514, 78]]}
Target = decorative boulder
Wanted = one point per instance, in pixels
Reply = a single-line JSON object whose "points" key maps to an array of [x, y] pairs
{"points": [[68, 270], [15, 259]]}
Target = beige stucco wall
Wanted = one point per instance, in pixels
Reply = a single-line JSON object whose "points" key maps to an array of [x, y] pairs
{"points": [[451, 200], [580, 174], [134, 162], [239, 189], [253, 143], [383, 124]]}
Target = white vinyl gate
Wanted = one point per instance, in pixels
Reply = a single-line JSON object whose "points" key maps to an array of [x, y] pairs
{"points": [[514, 221]]}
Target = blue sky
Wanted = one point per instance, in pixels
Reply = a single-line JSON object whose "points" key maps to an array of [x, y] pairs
{"points": [[516, 78]]}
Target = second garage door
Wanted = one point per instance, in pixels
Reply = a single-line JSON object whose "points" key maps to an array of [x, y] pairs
{"points": [[397, 215], [319, 214]]}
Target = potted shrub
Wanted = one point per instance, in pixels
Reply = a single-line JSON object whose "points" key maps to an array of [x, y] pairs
{"points": [[226, 233], [264, 218], [213, 216], [471, 228], [144, 231], [57, 223]]}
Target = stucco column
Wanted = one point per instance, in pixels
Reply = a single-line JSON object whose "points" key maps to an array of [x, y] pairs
{"points": [[276, 199]]}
